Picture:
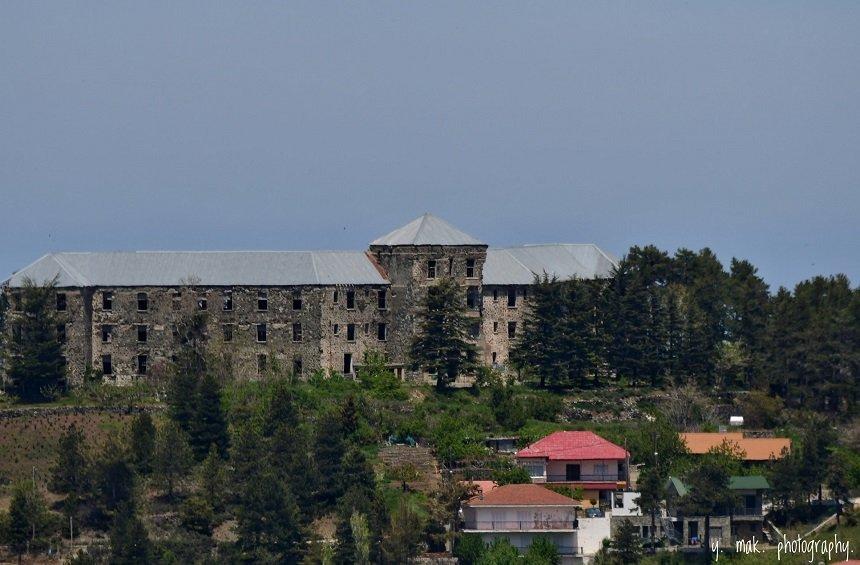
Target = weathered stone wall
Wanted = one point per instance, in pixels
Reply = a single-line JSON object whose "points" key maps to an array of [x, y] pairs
{"points": [[496, 316]]}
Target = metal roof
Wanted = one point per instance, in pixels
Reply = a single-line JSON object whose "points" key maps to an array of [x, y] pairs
{"points": [[210, 268], [519, 265], [736, 482], [427, 230]]}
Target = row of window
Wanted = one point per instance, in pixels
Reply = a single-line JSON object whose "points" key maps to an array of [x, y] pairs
{"points": [[227, 300], [261, 329], [433, 268], [141, 364]]}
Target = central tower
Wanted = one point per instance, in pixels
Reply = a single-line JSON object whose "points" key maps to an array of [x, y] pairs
{"points": [[416, 256]]}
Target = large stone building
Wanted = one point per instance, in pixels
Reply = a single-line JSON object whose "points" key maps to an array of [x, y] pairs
{"points": [[117, 312]]}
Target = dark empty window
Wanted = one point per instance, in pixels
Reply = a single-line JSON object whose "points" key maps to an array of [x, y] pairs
{"points": [[297, 302], [17, 302], [141, 364], [350, 299], [228, 301], [451, 266], [470, 268], [61, 301], [142, 302], [261, 333], [512, 329], [382, 332], [202, 302], [228, 332], [494, 357], [263, 300], [366, 328], [475, 330], [431, 269], [335, 296], [107, 334], [297, 332], [512, 297], [107, 365], [495, 327], [262, 363], [350, 332], [382, 299], [495, 295], [297, 365], [177, 301], [472, 297], [107, 300], [142, 333], [61, 333], [335, 329], [347, 363]]}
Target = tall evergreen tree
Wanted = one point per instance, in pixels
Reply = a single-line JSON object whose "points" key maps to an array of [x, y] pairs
{"points": [[188, 368], [538, 347], [268, 519], [34, 357], [142, 443], [208, 426], [27, 514], [708, 493], [748, 310], [442, 345], [129, 541], [329, 450], [173, 457]]}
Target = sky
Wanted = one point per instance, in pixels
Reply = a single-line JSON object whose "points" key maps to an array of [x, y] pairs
{"points": [[322, 125]]}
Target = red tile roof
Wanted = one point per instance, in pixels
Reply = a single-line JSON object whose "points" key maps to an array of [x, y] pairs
{"points": [[572, 446], [522, 495]]}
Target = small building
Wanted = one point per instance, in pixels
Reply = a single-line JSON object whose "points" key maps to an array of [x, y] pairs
{"points": [[502, 444], [754, 449], [523, 512], [578, 459], [741, 522]]}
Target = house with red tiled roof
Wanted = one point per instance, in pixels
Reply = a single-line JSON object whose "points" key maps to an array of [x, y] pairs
{"points": [[522, 513], [578, 459]]}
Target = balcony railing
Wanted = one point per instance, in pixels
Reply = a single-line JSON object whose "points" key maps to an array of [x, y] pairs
{"points": [[748, 511], [562, 549], [520, 525], [583, 477]]}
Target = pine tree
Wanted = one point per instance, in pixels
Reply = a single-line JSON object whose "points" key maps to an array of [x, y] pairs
{"points": [[542, 551], [129, 541], [212, 475], [71, 473], [442, 345], [708, 493], [114, 478], [142, 443], [209, 425], [188, 369], [748, 310], [27, 514], [34, 356], [539, 345], [268, 519], [626, 546], [172, 457], [329, 450], [404, 534]]}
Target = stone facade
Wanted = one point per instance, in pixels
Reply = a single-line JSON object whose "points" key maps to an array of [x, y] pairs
{"points": [[364, 301]]}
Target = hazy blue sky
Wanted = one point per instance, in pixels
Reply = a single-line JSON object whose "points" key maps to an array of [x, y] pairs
{"points": [[317, 125]]}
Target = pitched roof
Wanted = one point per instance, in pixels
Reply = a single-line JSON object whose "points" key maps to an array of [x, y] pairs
{"points": [[213, 268], [519, 265], [572, 446], [736, 482], [427, 230], [755, 449], [522, 495]]}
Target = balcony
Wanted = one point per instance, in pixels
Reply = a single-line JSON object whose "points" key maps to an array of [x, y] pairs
{"points": [[748, 512], [586, 478], [562, 549], [519, 526]]}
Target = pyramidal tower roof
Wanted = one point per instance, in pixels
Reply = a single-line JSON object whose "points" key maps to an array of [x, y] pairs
{"points": [[427, 230]]}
